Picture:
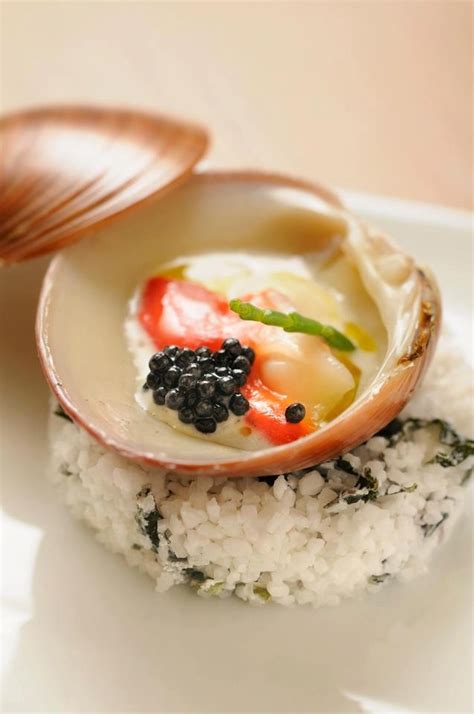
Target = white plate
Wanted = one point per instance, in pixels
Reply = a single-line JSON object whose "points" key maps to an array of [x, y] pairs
{"points": [[83, 632]]}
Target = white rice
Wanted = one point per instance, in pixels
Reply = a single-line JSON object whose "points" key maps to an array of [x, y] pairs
{"points": [[312, 538]]}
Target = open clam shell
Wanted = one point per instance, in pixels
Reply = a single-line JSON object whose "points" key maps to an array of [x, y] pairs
{"points": [[65, 169], [84, 302]]}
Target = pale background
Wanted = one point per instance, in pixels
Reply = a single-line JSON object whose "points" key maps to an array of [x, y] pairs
{"points": [[373, 96]]}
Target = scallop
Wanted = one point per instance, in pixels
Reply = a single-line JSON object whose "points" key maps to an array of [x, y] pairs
{"points": [[84, 303]]}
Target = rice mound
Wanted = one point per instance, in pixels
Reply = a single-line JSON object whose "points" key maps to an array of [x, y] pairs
{"points": [[312, 537]]}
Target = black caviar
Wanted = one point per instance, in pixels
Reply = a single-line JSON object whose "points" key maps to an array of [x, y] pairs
{"points": [[192, 398], [186, 415], [242, 363], [206, 388], [184, 357], [205, 426], [204, 408], [240, 377], [220, 412], [201, 385], [295, 413], [195, 369], [171, 351], [159, 395], [203, 352], [232, 346], [159, 362], [222, 358], [187, 381], [171, 377], [153, 380], [205, 364], [175, 399], [238, 404], [226, 385], [249, 353]]}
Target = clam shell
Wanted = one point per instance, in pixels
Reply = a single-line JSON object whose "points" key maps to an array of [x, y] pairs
{"points": [[65, 169], [84, 301]]}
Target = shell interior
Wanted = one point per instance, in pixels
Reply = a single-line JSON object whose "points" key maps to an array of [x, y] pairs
{"points": [[87, 289]]}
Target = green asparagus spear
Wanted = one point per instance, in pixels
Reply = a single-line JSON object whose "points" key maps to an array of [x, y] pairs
{"points": [[292, 322]]}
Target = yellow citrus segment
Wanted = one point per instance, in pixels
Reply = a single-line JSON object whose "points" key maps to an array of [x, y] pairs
{"points": [[361, 337]]}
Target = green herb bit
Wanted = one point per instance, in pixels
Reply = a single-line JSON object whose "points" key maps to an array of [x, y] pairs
{"points": [[215, 588], [459, 453], [59, 412], [196, 578], [377, 579], [262, 592], [292, 322], [147, 516], [429, 529]]}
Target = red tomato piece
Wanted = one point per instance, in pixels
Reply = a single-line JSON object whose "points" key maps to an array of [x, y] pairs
{"points": [[267, 413], [184, 314]]}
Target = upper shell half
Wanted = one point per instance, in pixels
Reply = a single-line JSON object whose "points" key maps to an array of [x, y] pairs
{"points": [[86, 291], [65, 169]]}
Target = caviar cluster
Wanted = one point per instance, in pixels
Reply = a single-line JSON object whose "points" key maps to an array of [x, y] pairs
{"points": [[201, 385]]}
